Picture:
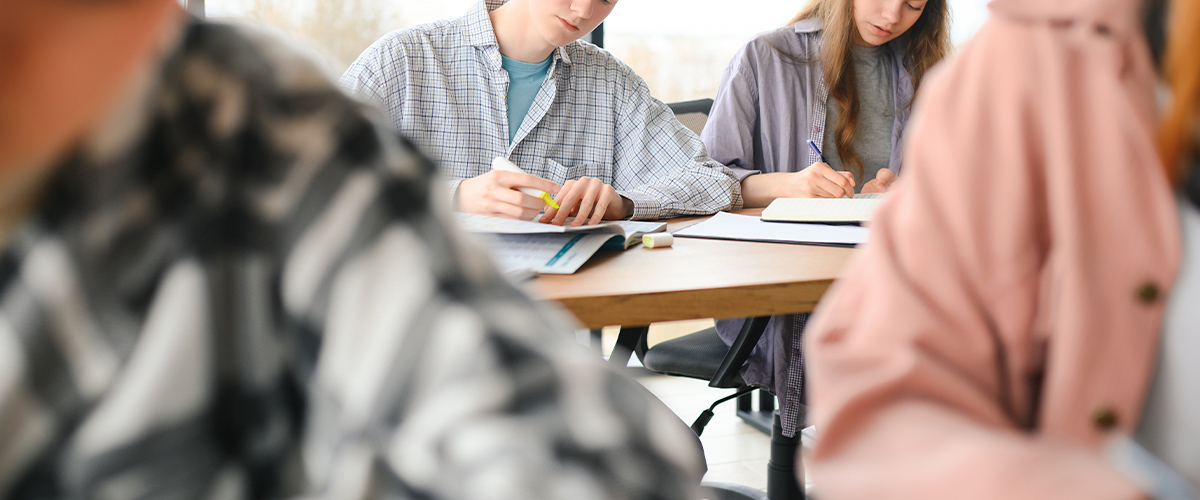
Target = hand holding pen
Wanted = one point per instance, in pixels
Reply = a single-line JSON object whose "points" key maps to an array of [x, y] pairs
{"points": [[818, 180], [880, 184], [822, 181], [505, 192]]}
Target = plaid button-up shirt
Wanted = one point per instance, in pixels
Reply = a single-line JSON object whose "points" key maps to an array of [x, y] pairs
{"points": [[441, 84]]}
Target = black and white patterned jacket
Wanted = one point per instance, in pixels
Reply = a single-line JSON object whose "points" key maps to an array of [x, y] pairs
{"points": [[243, 285]]}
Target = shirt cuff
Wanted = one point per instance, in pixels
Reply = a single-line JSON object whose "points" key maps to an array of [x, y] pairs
{"points": [[644, 207], [452, 189], [742, 173]]}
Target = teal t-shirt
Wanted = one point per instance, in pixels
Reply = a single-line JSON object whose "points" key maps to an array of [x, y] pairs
{"points": [[524, 80]]}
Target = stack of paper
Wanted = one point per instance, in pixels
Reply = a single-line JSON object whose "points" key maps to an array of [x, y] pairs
{"points": [[727, 226]]}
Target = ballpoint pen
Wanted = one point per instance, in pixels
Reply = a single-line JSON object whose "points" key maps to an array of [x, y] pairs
{"points": [[816, 150]]}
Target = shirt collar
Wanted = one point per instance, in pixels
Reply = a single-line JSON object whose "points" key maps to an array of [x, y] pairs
{"points": [[477, 26], [478, 32], [810, 25]]}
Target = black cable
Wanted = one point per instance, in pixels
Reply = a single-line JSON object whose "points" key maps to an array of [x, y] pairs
{"points": [[707, 415]]}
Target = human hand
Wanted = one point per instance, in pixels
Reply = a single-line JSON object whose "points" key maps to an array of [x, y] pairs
{"points": [[819, 180], [882, 181], [590, 201], [496, 194]]}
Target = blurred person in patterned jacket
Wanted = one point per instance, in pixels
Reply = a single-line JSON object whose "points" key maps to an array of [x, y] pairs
{"points": [[221, 278]]}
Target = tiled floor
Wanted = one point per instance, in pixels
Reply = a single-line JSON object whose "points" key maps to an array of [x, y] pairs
{"points": [[736, 452]]}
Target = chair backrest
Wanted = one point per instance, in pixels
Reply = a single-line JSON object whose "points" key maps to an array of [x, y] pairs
{"points": [[692, 114]]}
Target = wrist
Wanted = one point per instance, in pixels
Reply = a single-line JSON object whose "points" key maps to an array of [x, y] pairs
{"points": [[759, 190], [626, 208]]}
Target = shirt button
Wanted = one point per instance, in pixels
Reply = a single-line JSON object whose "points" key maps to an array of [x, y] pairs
{"points": [[816, 129], [1104, 418], [1147, 293]]}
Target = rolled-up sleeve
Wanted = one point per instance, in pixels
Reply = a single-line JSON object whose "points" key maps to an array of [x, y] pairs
{"points": [[666, 164]]}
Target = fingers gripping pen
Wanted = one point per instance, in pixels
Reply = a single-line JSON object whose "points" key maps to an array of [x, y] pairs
{"points": [[501, 163]]}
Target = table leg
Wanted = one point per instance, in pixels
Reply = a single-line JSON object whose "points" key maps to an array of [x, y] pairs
{"points": [[631, 340]]}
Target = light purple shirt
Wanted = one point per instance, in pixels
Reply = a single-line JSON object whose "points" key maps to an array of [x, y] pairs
{"points": [[768, 106], [766, 109]]}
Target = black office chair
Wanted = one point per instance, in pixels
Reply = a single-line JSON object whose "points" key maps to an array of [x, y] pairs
{"points": [[703, 355], [692, 114]]}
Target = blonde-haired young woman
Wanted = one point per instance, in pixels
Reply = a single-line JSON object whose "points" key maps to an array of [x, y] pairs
{"points": [[842, 74]]}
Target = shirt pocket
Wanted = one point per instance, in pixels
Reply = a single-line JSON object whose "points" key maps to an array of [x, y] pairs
{"points": [[560, 173]]}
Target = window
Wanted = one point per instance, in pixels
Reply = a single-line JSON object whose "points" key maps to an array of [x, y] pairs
{"points": [[339, 29], [680, 47]]}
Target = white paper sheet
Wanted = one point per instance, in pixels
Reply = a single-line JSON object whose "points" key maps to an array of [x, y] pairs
{"points": [[727, 226]]}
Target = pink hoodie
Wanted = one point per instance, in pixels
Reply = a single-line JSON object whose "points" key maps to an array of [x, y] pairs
{"points": [[1003, 321]]}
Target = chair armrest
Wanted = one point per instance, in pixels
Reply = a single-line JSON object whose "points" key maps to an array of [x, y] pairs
{"points": [[739, 352]]}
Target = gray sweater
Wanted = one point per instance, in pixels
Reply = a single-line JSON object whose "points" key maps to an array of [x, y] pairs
{"points": [[872, 139]]}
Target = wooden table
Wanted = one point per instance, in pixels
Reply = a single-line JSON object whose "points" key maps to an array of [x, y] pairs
{"points": [[694, 279]]}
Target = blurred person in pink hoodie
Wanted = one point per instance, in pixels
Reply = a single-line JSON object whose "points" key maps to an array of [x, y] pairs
{"points": [[1023, 321]]}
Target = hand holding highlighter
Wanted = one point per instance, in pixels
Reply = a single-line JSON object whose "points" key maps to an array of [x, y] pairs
{"points": [[502, 163]]}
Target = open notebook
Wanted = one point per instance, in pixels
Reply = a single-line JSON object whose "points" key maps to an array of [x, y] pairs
{"points": [[856, 210], [630, 231], [545, 248]]}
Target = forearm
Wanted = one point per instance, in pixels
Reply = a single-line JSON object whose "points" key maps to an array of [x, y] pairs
{"points": [[759, 190]]}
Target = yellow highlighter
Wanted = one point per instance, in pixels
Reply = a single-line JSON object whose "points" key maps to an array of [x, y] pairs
{"points": [[502, 163]]}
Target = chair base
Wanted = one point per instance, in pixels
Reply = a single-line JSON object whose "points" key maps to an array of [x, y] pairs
{"points": [[763, 419], [782, 483]]}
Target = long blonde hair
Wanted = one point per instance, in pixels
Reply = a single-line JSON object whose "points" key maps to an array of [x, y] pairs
{"points": [[926, 43]]}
